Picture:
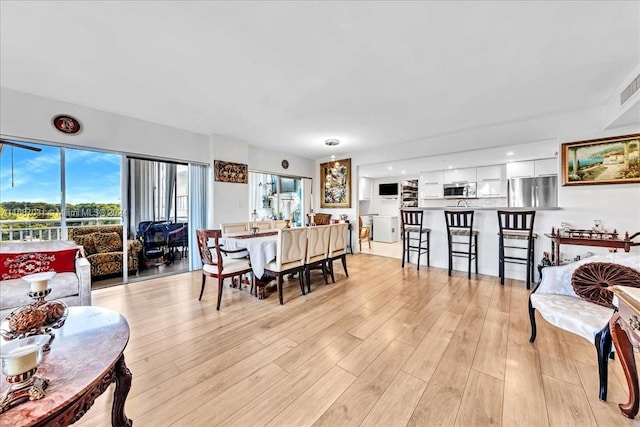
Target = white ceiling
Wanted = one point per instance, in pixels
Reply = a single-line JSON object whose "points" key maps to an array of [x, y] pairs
{"points": [[289, 75]]}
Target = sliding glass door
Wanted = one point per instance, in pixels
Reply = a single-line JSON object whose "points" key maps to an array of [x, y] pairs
{"points": [[159, 214]]}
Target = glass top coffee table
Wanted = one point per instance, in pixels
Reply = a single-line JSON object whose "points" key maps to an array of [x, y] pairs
{"points": [[86, 356]]}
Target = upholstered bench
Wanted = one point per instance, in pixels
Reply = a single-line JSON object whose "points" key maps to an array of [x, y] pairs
{"points": [[71, 284], [558, 303]]}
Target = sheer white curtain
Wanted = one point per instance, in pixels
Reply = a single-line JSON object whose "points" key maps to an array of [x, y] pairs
{"points": [[168, 199], [198, 184], [142, 187]]}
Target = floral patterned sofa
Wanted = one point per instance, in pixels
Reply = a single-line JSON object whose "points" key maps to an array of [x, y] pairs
{"points": [[71, 284], [103, 248]]}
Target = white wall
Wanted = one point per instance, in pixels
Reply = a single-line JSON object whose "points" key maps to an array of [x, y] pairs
{"points": [[230, 200], [264, 160], [25, 116]]}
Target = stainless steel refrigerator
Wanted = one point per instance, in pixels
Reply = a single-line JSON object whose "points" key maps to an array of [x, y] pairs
{"points": [[539, 192]]}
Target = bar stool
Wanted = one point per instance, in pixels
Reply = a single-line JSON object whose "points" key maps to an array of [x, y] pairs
{"points": [[412, 223], [460, 232], [516, 225]]}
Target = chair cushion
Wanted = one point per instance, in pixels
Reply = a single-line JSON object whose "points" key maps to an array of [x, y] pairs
{"points": [[107, 242], [462, 232], [591, 281], [231, 265], [518, 235], [416, 229], [575, 315], [273, 266]]}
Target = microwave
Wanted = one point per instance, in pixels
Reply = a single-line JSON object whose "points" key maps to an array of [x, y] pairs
{"points": [[460, 190]]}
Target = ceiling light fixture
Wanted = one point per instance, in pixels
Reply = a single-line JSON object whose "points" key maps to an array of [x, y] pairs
{"points": [[331, 142], [510, 153]]}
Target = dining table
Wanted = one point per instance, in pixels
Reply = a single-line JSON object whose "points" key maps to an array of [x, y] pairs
{"points": [[261, 247]]}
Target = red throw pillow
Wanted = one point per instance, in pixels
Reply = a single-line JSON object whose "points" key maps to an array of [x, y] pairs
{"points": [[15, 266]]}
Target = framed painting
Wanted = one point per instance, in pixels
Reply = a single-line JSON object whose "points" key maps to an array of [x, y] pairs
{"points": [[231, 172], [613, 160], [335, 184]]}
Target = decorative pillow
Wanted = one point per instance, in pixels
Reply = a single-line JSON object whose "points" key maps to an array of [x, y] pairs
{"points": [[590, 281], [107, 242], [86, 240], [15, 266]]}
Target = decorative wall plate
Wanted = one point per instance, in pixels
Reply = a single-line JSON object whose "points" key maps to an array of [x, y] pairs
{"points": [[66, 124]]}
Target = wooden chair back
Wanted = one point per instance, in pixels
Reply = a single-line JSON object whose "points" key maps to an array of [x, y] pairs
{"points": [[338, 239], [318, 239], [516, 222], [204, 249], [459, 222], [291, 246], [234, 227]]}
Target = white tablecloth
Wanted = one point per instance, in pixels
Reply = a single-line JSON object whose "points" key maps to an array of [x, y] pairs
{"points": [[262, 250]]}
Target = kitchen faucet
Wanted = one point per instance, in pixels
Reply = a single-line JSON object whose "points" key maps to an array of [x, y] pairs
{"points": [[462, 201]]}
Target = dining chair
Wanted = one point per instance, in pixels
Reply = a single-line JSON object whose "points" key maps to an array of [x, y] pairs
{"points": [[291, 249], [216, 263], [264, 225], [318, 239], [516, 226], [415, 236], [460, 233], [338, 247], [280, 223], [364, 233], [234, 227]]}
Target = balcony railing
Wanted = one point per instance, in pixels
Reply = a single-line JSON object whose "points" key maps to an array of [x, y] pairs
{"points": [[20, 230]]}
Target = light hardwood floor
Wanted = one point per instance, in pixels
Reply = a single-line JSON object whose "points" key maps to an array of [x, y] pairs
{"points": [[386, 347]]}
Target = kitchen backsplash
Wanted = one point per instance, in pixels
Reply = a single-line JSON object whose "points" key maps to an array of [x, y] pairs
{"points": [[497, 202]]}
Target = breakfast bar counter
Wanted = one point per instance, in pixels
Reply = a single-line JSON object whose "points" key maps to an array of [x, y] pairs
{"points": [[486, 224]]}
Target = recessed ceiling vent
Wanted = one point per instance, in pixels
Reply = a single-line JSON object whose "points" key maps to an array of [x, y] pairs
{"points": [[630, 90]]}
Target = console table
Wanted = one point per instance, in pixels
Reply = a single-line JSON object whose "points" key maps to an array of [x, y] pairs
{"points": [[85, 358], [625, 333], [588, 238]]}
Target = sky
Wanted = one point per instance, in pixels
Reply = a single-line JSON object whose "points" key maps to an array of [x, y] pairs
{"points": [[91, 177]]}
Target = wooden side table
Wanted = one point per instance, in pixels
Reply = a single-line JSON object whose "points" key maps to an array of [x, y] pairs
{"points": [[85, 358], [583, 238], [625, 332]]}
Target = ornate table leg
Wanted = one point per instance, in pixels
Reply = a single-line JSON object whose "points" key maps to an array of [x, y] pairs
{"points": [[625, 353], [123, 385]]}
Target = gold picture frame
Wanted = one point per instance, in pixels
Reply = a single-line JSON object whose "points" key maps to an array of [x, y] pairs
{"points": [[335, 184], [614, 160], [231, 172]]}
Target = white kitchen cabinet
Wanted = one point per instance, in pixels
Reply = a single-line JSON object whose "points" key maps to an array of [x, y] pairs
{"points": [[546, 167], [520, 169], [491, 173], [492, 181], [364, 189], [452, 176], [430, 185]]}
